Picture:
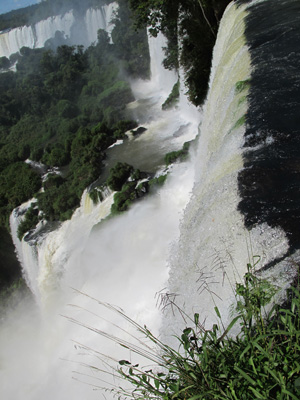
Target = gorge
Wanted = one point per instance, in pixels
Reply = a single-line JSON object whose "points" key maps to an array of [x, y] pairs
{"points": [[193, 236]]}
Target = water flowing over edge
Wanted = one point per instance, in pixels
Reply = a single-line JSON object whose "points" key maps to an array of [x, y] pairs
{"points": [[121, 260], [214, 246], [35, 36], [208, 257]]}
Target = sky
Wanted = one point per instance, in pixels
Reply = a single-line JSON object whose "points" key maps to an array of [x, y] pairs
{"points": [[8, 5]]}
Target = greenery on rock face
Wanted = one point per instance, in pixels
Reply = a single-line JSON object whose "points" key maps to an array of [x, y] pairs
{"points": [[193, 24], [10, 295], [18, 183], [119, 174], [158, 181], [124, 179], [181, 155], [261, 362], [10, 269], [132, 184], [241, 121], [240, 86], [173, 97], [29, 222]]}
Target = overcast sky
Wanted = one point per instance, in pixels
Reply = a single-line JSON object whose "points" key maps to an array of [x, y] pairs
{"points": [[8, 5]]}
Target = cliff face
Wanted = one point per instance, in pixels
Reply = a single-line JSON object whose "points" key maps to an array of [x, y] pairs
{"points": [[74, 29]]}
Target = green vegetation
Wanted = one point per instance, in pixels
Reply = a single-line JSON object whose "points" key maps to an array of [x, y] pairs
{"points": [[240, 86], [96, 194], [260, 362], [131, 44], [241, 121], [29, 222], [196, 33], [119, 174], [158, 181], [18, 183], [124, 179], [181, 155], [64, 108], [10, 269], [132, 184], [173, 98], [135, 186], [124, 198], [11, 294]]}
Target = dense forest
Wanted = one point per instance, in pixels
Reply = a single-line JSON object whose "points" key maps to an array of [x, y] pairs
{"points": [[65, 106]]}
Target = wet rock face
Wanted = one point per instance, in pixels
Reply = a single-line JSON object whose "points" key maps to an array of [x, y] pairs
{"points": [[9, 266], [138, 131], [269, 184]]}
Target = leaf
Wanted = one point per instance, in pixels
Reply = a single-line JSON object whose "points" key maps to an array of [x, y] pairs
{"points": [[218, 312], [297, 383], [290, 394], [245, 375], [252, 364], [156, 383], [124, 362], [232, 323], [277, 379], [257, 394]]}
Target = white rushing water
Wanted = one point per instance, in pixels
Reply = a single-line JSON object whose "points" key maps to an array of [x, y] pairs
{"points": [[77, 32], [122, 260], [127, 259], [214, 246]]}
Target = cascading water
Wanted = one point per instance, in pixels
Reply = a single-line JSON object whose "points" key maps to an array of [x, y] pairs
{"points": [[215, 246], [35, 36], [122, 260], [99, 18]]}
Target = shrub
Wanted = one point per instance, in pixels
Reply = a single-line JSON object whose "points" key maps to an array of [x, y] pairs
{"points": [[118, 175], [181, 155], [29, 222], [4, 63], [240, 86], [124, 198], [160, 180], [259, 363], [173, 97]]}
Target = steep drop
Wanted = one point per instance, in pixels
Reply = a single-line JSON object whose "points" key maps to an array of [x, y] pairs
{"points": [[75, 31], [122, 260], [216, 242]]}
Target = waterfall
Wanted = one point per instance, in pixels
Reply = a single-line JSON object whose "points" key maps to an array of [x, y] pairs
{"points": [[162, 80], [45, 30], [99, 18], [212, 229], [120, 260], [35, 36], [215, 245], [192, 236]]}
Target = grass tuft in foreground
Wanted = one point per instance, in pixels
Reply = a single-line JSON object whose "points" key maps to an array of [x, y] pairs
{"points": [[261, 362]]}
